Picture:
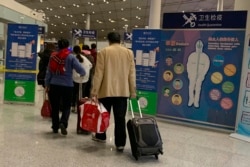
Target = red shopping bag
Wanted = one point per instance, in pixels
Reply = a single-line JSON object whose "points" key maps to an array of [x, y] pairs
{"points": [[94, 117], [46, 108]]}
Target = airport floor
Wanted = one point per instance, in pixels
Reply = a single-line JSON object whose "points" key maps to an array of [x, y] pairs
{"points": [[26, 140]]}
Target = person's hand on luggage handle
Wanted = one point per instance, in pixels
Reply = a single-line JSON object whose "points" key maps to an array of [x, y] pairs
{"points": [[94, 98], [133, 96]]}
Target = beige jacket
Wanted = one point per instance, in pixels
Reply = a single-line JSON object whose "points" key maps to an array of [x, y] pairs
{"points": [[114, 73]]}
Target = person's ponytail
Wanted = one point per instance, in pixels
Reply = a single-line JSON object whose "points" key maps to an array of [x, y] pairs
{"points": [[79, 57]]}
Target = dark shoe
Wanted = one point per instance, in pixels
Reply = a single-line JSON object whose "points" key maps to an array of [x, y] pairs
{"points": [[120, 148], [63, 129], [98, 140], [55, 130], [84, 132], [73, 110]]}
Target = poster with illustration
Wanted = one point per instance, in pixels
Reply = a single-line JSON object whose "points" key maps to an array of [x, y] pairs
{"points": [[200, 67]]}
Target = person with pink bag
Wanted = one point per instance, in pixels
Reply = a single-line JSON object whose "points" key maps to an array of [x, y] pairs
{"points": [[113, 83]]}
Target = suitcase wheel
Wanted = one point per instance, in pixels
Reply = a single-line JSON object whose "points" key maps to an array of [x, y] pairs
{"points": [[156, 156]]}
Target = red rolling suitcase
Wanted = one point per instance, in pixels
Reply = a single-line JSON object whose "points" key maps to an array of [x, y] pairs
{"points": [[144, 135], [81, 101]]}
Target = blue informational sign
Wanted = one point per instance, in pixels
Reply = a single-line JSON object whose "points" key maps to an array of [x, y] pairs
{"points": [[84, 33], [20, 76], [128, 36], [41, 30], [146, 45], [21, 47], [200, 71], [21, 56], [204, 20], [243, 126]]}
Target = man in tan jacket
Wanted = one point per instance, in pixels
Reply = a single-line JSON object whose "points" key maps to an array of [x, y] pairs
{"points": [[113, 84]]}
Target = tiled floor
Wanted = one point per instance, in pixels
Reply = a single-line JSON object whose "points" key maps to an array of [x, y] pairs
{"points": [[26, 141]]}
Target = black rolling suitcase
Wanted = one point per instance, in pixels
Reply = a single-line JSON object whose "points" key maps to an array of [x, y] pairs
{"points": [[81, 101], [144, 135]]}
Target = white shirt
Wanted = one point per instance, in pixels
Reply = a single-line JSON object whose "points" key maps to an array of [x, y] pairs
{"points": [[87, 65]]}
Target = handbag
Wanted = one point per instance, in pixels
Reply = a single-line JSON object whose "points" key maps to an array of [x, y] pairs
{"points": [[46, 107], [94, 117]]}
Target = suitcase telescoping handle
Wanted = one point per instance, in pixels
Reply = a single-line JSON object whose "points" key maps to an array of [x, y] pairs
{"points": [[131, 107]]}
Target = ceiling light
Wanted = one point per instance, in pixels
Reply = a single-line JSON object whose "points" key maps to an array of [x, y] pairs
{"points": [[137, 17], [124, 19], [110, 12], [49, 8], [83, 14], [98, 21]]}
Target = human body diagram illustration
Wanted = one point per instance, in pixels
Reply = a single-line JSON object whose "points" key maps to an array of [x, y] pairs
{"points": [[197, 67]]}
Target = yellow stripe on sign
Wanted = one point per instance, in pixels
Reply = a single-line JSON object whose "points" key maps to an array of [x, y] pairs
{"points": [[21, 71]]}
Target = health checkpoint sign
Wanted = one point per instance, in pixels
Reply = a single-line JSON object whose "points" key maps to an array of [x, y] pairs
{"points": [[201, 66]]}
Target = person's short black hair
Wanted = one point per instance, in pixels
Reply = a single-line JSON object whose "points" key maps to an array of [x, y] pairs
{"points": [[85, 47], [63, 43], [114, 37], [93, 46]]}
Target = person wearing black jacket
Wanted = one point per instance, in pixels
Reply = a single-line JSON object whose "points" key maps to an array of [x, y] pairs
{"points": [[43, 63]]}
